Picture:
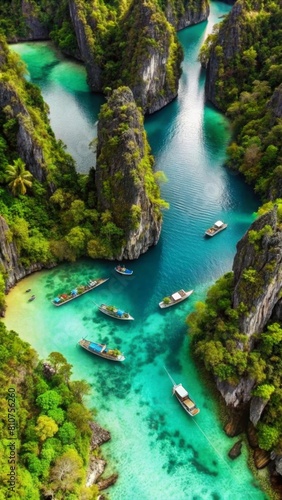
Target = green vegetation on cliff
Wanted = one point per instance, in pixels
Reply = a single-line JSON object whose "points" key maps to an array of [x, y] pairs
{"points": [[227, 354], [45, 433], [246, 70], [58, 218]]}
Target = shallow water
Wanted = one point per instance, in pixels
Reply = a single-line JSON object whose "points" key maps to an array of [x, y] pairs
{"points": [[159, 451]]}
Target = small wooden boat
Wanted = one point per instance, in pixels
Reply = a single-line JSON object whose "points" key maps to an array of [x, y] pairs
{"points": [[186, 402], [101, 350], [28, 290], [78, 291], [123, 270], [31, 298], [175, 298], [114, 312], [216, 228]]}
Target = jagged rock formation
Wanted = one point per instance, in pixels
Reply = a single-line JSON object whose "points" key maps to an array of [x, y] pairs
{"points": [[9, 258], [256, 408], [28, 149], [124, 179], [36, 30], [85, 27], [229, 38], [258, 273], [236, 395], [142, 52], [28, 145], [189, 13]]}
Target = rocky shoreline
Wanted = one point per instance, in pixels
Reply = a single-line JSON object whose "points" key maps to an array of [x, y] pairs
{"points": [[97, 465]]}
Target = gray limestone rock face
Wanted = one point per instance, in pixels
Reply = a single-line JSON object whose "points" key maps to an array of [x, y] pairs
{"points": [[258, 273], [193, 12], [9, 258], [256, 408], [236, 395], [120, 177]]}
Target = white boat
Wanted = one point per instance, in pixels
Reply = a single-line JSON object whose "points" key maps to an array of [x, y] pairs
{"points": [[101, 350], [184, 399], [216, 228], [175, 298], [114, 312]]}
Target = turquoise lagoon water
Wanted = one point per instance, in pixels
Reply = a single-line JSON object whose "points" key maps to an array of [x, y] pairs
{"points": [[159, 452]]}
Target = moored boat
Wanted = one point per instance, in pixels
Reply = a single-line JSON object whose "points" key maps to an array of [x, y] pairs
{"points": [[31, 298], [101, 350], [216, 228], [175, 298], [184, 399], [78, 291], [114, 312], [123, 270]]}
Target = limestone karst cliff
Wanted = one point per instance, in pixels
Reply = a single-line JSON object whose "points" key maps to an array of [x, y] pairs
{"points": [[138, 48], [125, 183], [237, 335], [182, 14], [10, 262], [258, 273], [23, 125]]}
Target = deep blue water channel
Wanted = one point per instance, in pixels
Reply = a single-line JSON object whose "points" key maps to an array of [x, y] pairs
{"points": [[159, 452]]}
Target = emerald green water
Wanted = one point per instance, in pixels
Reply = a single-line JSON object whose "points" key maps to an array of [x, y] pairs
{"points": [[159, 451]]}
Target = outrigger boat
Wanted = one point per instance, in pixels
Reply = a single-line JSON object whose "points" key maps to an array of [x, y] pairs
{"points": [[78, 291], [175, 298], [123, 270], [216, 228], [114, 312], [184, 399], [101, 350]]}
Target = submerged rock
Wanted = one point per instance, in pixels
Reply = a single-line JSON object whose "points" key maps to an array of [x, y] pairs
{"points": [[236, 450]]}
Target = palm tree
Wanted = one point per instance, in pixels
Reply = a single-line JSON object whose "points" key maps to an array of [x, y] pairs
{"points": [[18, 178]]}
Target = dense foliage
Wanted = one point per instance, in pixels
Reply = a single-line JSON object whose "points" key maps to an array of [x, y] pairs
{"points": [[45, 433], [228, 355], [57, 219], [248, 89]]}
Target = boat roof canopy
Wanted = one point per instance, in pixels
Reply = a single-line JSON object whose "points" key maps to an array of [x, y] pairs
{"points": [[176, 296], [218, 223], [181, 391]]}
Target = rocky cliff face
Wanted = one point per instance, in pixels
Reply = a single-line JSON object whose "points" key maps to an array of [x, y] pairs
{"points": [[190, 13], [13, 107], [258, 273], [229, 39], [124, 178], [9, 258], [36, 30], [142, 51], [28, 149], [85, 27]]}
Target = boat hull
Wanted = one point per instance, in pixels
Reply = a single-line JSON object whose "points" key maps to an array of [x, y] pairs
{"points": [[184, 399], [213, 231], [85, 344], [99, 282], [127, 272], [103, 309], [163, 305]]}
